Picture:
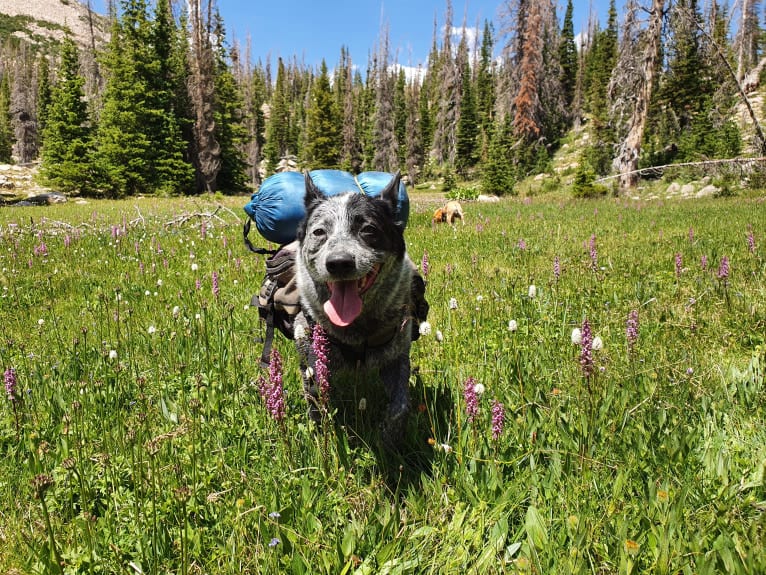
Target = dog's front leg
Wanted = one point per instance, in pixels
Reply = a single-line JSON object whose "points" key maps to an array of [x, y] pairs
{"points": [[396, 378]]}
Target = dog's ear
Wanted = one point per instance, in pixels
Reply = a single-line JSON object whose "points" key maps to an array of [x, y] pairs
{"points": [[313, 194], [390, 193]]}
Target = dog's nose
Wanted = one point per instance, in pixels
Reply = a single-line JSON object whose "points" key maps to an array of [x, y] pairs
{"points": [[340, 264]]}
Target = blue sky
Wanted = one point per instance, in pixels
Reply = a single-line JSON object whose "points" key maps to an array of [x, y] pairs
{"points": [[316, 29]]}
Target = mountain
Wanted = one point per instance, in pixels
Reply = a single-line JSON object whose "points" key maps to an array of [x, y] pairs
{"points": [[42, 22]]}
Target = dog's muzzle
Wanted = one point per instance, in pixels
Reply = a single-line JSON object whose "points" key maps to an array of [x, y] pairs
{"points": [[345, 303]]}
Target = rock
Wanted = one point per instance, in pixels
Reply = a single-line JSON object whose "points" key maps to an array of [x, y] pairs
{"points": [[673, 188], [45, 199], [709, 190], [687, 189], [487, 199]]}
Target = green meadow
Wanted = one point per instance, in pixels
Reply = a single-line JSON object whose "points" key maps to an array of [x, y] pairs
{"points": [[134, 438]]}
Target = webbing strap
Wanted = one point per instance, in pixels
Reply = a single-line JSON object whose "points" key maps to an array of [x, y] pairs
{"points": [[250, 246]]}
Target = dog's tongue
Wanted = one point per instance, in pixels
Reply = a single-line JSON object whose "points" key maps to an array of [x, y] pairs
{"points": [[344, 305]]}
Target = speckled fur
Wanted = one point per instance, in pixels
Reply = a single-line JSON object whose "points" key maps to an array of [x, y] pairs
{"points": [[377, 343]]}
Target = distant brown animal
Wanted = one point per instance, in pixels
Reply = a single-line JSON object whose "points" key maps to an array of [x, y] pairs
{"points": [[449, 213]]}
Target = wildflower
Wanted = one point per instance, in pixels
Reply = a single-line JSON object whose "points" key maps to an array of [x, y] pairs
{"points": [[112, 354], [703, 262], [631, 547], [216, 287], [362, 404], [424, 267], [479, 389], [272, 391], [498, 419], [176, 311], [194, 267], [452, 303], [691, 235], [597, 344], [479, 298], [439, 336], [631, 329], [320, 345], [152, 330], [159, 283], [522, 245], [274, 515], [203, 230], [556, 268], [471, 399], [41, 322], [425, 328], [723, 268], [197, 284], [679, 264], [532, 291], [299, 332], [445, 447], [11, 384], [586, 343], [576, 336], [513, 325], [751, 241], [274, 542], [593, 253]]}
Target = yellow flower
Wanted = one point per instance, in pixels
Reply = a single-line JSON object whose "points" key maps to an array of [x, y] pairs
{"points": [[631, 547]]}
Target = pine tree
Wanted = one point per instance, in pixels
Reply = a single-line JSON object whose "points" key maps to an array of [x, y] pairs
{"points": [[230, 130], [385, 158], [467, 144], [323, 125], [43, 92], [400, 116], [447, 98], [278, 126], [414, 135], [485, 83], [497, 172], [65, 156], [568, 56], [6, 131]]}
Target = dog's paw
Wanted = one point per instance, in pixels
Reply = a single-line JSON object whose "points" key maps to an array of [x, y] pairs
{"points": [[392, 429]]}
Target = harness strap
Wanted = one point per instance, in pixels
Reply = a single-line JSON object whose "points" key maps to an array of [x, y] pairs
{"points": [[250, 246]]}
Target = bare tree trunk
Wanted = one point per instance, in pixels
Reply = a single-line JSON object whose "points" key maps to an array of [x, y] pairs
{"points": [[630, 150], [202, 91]]}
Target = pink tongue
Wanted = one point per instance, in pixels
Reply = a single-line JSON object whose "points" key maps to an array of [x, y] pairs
{"points": [[344, 305]]}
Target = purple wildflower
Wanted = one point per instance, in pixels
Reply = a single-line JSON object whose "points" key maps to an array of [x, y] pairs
{"points": [[631, 330], [274, 542], [679, 264], [67, 241], [203, 230], [498, 419], [471, 399], [751, 241], [424, 266], [691, 235], [703, 262], [216, 287], [593, 253], [723, 268], [197, 284], [320, 347], [556, 268], [586, 354], [522, 245], [272, 391], [10, 384]]}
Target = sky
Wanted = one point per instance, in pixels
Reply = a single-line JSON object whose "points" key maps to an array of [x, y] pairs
{"points": [[313, 30]]}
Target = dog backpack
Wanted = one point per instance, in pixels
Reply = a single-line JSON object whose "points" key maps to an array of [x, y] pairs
{"points": [[278, 301]]}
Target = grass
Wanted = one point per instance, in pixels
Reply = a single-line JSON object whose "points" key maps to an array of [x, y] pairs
{"points": [[136, 440]]}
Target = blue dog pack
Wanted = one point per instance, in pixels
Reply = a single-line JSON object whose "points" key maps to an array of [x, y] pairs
{"points": [[278, 207]]}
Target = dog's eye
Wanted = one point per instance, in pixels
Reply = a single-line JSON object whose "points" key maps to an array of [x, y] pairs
{"points": [[369, 230], [318, 232]]}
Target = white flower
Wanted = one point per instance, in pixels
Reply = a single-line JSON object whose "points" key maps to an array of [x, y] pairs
{"points": [[425, 328], [41, 322], [309, 373], [197, 316], [247, 307], [479, 298], [439, 336], [478, 388], [152, 329], [362, 404], [597, 344], [176, 311], [147, 292], [159, 282], [445, 448], [112, 354], [194, 267], [532, 291], [452, 303], [512, 325], [576, 336], [299, 332]]}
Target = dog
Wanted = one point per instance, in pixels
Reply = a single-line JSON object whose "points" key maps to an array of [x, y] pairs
{"points": [[449, 213], [357, 282]]}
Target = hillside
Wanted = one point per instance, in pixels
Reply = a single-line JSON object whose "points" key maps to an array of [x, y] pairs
{"points": [[42, 22]]}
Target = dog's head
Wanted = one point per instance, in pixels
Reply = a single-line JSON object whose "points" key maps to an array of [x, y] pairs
{"points": [[347, 242]]}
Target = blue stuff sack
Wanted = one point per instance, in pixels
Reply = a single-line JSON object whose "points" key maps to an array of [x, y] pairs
{"points": [[277, 207]]}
